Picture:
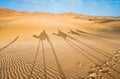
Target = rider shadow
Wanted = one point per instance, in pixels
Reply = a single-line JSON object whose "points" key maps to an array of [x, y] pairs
{"points": [[78, 33], [83, 36], [81, 31], [72, 44], [43, 36], [66, 37], [73, 32], [63, 35]]}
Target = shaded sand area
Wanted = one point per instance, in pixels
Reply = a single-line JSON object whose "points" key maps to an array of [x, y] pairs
{"points": [[59, 46]]}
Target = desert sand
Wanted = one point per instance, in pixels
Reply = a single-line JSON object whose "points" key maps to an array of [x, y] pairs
{"points": [[58, 46]]}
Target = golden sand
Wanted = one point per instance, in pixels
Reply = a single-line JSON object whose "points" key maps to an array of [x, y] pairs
{"points": [[76, 44]]}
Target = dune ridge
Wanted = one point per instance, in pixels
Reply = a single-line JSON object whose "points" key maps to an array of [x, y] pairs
{"points": [[58, 46]]}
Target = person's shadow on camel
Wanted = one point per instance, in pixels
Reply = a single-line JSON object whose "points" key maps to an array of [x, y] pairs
{"points": [[63, 35], [42, 36]]}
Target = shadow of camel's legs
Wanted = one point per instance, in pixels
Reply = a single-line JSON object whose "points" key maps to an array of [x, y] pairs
{"points": [[100, 39], [33, 65], [74, 46], [62, 75], [44, 61]]}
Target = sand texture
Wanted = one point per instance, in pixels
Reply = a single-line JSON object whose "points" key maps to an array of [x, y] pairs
{"points": [[58, 46]]}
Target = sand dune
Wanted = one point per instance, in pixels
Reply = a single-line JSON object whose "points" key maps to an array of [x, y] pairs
{"points": [[58, 46]]}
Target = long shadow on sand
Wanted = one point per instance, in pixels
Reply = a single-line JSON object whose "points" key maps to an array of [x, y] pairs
{"points": [[89, 46], [9, 44], [93, 36], [67, 38], [42, 37]]}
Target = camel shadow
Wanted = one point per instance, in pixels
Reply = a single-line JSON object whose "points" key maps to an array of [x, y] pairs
{"points": [[63, 35], [42, 36]]}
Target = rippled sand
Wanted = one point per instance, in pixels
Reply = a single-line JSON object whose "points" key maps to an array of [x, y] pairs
{"points": [[24, 57]]}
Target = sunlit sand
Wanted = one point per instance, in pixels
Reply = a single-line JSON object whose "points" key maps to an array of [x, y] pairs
{"points": [[59, 46]]}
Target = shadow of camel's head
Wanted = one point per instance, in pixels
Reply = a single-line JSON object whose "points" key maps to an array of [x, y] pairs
{"points": [[35, 36], [54, 33]]}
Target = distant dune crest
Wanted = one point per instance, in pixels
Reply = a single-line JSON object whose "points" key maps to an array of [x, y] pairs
{"points": [[13, 12], [103, 24]]}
